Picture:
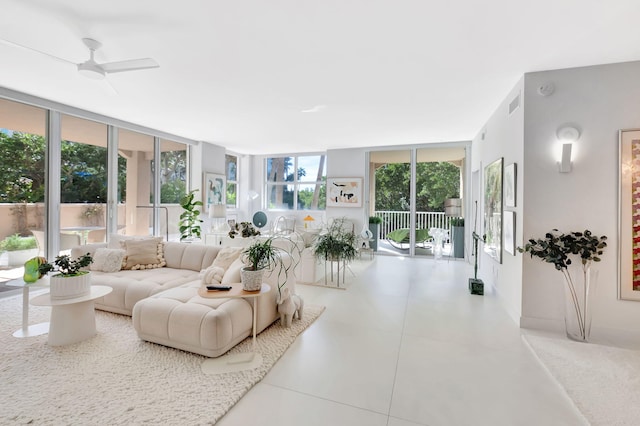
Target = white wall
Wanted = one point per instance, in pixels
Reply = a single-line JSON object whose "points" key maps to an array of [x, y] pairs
{"points": [[343, 163], [599, 100], [503, 137]]}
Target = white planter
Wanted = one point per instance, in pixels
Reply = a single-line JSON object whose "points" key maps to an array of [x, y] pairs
{"points": [[19, 257], [251, 280], [70, 287]]}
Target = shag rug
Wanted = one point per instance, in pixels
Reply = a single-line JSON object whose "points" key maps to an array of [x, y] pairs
{"points": [[117, 379], [354, 269], [602, 381]]}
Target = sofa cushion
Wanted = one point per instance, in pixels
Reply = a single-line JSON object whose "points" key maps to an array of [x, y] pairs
{"points": [[144, 254], [107, 260], [130, 287], [226, 256], [195, 257]]}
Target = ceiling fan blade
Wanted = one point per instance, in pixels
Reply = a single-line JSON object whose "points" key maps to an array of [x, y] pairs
{"points": [[130, 65], [13, 44]]}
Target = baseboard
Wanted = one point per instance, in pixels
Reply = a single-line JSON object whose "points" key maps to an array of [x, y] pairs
{"points": [[545, 324]]}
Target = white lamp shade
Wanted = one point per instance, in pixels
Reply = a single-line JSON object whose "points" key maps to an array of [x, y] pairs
{"points": [[218, 211]]}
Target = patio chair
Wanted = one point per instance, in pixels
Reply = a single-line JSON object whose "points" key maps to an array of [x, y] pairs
{"points": [[399, 238]]}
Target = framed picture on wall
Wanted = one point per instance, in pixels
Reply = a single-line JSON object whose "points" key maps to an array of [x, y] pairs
{"points": [[493, 209], [510, 232], [344, 192], [215, 190], [629, 211], [510, 185]]}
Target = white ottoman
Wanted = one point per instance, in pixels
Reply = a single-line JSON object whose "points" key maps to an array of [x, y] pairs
{"points": [[181, 319]]}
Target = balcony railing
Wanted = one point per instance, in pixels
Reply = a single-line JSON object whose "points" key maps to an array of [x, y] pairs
{"points": [[392, 220]]}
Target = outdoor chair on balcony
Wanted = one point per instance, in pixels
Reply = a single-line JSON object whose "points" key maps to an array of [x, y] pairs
{"points": [[399, 238]]}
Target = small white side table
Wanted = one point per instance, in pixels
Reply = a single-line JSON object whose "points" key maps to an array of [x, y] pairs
{"points": [[35, 329], [241, 361], [72, 320]]}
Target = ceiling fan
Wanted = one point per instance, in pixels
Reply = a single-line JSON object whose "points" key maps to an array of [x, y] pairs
{"points": [[90, 68]]}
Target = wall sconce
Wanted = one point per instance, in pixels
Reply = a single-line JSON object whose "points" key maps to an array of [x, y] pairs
{"points": [[567, 135]]}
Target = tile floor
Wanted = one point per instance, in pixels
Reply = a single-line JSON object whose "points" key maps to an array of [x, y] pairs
{"points": [[406, 344]]}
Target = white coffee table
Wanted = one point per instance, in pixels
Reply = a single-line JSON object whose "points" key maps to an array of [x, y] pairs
{"points": [[72, 320], [242, 361], [35, 329]]}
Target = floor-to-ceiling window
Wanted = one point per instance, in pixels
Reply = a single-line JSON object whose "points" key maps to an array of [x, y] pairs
{"points": [[22, 183], [83, 181], [173, 182]]}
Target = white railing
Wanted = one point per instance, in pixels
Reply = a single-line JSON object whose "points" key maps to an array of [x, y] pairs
{"points": [[392, 220]]}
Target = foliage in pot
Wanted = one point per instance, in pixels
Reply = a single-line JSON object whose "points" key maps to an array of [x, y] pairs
{"points": [[15, 243], [457, 221], [65, 266], [189, 224], [244, 229], [375, 219], [263, 255], [336, 244], [556, 248], [70, 281]]}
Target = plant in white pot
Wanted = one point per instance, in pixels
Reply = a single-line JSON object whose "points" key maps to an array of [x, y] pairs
{"points": [[556, 247], [19, 249], [70, 280], [262, 256]]}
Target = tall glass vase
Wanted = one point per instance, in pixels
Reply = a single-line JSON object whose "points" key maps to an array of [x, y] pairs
{"points": [[579, 291]]}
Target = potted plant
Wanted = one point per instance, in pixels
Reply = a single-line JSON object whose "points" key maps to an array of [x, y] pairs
{"points": [[262, 256], [457, 236], [374, 227], [556, 248], [244, 229], [189, 224], [70, 280], [19, 249], [337, 244]]}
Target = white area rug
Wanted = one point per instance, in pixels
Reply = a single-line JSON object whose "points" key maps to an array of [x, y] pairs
{"points": [[355, 268], [117, 379], [603, 381]]}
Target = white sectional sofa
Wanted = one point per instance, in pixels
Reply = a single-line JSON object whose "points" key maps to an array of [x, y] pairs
{"points": [[166, 308]]}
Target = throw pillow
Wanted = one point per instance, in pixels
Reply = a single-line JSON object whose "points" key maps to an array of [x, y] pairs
{"points": [[144, 254], [212, 275], [226, 256], [232, 275], [107, 260]]}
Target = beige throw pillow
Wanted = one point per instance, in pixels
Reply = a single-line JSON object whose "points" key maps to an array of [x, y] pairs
{"points": [[144, 254], [107, 260], [226, 256]]}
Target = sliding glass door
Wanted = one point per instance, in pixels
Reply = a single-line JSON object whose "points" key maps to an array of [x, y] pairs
{"points": [[409, 190]]}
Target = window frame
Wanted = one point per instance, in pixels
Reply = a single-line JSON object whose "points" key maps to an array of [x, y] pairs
{"points": [[296, 183]]}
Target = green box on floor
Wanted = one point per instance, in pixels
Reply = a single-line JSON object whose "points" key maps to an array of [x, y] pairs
{"points": [[476, 286]]}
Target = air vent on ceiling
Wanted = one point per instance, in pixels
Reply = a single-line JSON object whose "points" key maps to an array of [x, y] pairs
{"points": [[514, 104]]}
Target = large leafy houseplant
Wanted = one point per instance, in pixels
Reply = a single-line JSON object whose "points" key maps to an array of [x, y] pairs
{"points": [[557, 248], [189, 224]]}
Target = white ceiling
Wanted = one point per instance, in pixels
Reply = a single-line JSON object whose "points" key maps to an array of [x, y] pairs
{"points": [[240, 73]]}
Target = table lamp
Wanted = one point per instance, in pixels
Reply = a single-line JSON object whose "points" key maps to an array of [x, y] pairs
{"points": [[217, 212], [306, 221]]}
